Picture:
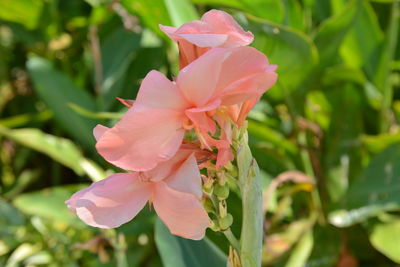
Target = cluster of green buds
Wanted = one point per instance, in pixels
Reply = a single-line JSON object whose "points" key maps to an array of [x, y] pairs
{"points": [[217, 186]]}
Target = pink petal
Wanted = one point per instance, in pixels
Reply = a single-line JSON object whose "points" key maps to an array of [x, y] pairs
{"points": [[198, 80], [142, 139], [205, 39], [222, 22], [181, 212], [157, 92], [112, 201], [164, 169], [200, 118], [242, 62], [99, 130], [252, 86], [186, 177]]}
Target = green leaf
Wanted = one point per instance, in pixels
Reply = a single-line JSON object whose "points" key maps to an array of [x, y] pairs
{"points": [[181, 11], [180, 252], [59, 149], [293, 52], [117, 52], [271, 10], [56, 90], [25, 12], [49, 203], [301, 251], [385, 238], [332, 32], [148, 11], [361, 48], [377, 190]]}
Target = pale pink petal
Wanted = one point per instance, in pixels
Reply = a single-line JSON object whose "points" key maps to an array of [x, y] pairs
{"points": [[99, 130], [164, 169], [251, 86], [168, 30], [205, 39], [112, 201], [186, 178], [142, 139], [200, 119], [198, 80], [221, 22], [242, 62], [157, 92], [181, 212]]}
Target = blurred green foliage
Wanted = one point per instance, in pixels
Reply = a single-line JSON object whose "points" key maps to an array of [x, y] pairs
{"points": [[334, 116]]}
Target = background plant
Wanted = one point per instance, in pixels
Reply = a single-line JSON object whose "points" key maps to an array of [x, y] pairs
{"points": [[326, 136]]}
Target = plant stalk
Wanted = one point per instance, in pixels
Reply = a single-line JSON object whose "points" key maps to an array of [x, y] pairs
{"points": [[252, 223]]}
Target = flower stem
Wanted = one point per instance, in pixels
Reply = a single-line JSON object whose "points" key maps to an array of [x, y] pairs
{"points": [[252, 225], [232, 239]]}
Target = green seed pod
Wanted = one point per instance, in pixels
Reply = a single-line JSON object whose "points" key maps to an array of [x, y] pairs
{"points": [[221, 191], [225, 222], [214, 225], [208, 205]]}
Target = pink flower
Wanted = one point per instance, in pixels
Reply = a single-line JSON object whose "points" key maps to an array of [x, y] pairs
{"points": [[153, 128], [215, 29], [173, 187]]}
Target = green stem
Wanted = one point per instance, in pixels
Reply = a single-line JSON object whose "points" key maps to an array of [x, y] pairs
{"points": [[252, 225], [389, 54], [232, 239]]}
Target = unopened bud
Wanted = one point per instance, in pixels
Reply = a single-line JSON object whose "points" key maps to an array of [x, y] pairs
{"points": [[208, 205], [221, 191], [222, 209], [208, 186], [225, 222], [214, 225]]}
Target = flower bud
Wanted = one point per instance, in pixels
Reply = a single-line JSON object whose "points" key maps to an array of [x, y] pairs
{"points": [[225, 222], [208, 205], [221, 191], [214, 225]]}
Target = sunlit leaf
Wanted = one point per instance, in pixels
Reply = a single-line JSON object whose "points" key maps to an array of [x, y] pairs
{"points": [[385, 238], [49, 203], [332, 32], [25, 12], [56, 90], [180, 11]]}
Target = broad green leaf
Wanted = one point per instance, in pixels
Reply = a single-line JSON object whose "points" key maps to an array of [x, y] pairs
{"points": [[293, 52], [59, 149], [180, 11], [294, 16], [25, 12], [341, 154], [117, 52], [377, 190], [270, 136], [151, 12], [179, 252], [361, 48], [49, 203], [332, 32], [385, 238], [56, 90], [9, 215], [271, 10]]}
